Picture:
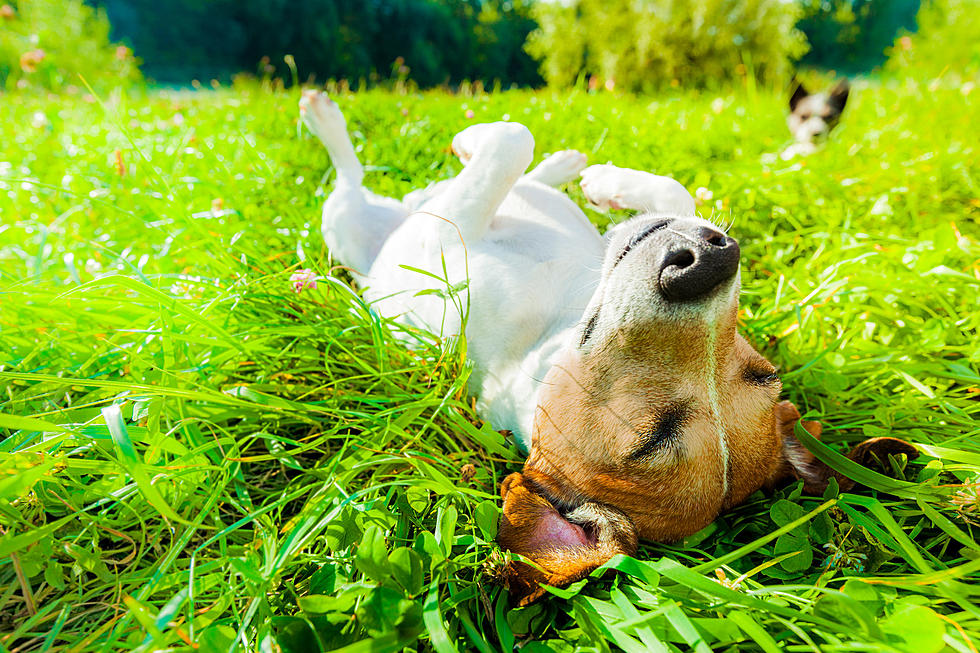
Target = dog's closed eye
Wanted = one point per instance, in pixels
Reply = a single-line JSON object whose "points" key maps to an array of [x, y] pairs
{"points": [[589, 328], [638, 238], [665, 430], [758, 376]]}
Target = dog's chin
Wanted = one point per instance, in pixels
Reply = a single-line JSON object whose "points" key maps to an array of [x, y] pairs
{"points": [[809, 133], [810, 140]]}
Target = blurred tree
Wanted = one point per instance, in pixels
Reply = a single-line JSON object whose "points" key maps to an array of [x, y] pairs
{"points": [[53, 43], [851, 35], [182, 39], [643, 44], [431, 38], [947, 44], [439, 41], [320, 34]]}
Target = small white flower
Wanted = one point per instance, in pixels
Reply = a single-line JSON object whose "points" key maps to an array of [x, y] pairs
{"points": [[190, 286], [183, 289]]}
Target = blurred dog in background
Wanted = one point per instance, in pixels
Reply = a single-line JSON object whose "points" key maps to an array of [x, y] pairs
{"points": [[812, 116]]}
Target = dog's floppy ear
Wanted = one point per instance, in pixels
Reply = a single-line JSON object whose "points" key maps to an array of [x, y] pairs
{"points": [[799, 463], [562, 548], [838, 95], [799, 93]]}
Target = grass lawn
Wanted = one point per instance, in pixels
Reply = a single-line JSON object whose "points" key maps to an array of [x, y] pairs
{"points": [[194, 456]]}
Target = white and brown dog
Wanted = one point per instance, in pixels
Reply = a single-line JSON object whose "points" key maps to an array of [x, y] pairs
{"points": [[812, 116], [615, 360]]}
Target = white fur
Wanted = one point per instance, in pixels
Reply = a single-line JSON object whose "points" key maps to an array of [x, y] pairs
{"points": [[533, 261]]}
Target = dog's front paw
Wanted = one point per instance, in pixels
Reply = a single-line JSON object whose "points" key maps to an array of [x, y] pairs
{"points": [[560, 167], [604, 186]]}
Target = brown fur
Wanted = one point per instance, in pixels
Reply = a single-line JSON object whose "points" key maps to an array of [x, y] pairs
{"points": [[799, 463], [596, 405], [524, 507], [592, 414]]}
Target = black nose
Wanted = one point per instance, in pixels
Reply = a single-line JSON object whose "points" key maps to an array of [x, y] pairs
{"points": [[697, 263]]}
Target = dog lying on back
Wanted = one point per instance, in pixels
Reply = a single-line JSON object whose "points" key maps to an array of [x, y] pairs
{"points": [[812, 116], [615, 360]]}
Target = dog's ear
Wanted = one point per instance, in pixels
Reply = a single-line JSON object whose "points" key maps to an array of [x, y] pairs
{"points": [[799, 463], [799, 93], [838, 95], [561, 548]]}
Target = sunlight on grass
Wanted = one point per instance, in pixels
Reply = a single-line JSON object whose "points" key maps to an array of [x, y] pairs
{"points": [[193, 451]]}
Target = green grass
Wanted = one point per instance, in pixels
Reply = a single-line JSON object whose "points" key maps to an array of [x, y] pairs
{"points": [[196, 457]]}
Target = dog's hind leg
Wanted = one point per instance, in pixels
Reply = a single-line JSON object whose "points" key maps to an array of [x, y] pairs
{"points": [[559, 168], [495, 156], [356, 222], [609, 187]]}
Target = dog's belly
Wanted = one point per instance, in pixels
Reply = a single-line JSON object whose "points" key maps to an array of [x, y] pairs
{"points": [[531, 277]]}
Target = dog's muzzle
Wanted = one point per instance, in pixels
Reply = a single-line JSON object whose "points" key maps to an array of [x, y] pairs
{"points": [[696, 263]]}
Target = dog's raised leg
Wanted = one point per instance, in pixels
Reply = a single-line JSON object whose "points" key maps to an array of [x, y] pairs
{"points": [[559, 168], [356, 222], [609, 187], [495, 156]]}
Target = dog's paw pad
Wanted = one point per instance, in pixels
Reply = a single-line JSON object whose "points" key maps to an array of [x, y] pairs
{"points": [[466, 142], [602, 185], [560, 167], [320, 113], [460, 149]]}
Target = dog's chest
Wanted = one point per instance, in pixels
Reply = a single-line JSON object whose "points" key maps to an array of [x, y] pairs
{"points": [[521, 286]]}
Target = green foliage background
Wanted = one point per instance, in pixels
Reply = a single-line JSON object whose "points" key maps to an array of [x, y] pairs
{"points": [[853, 36], [647, 44], [74, 39], [946, 45], [643, 45], [441, 41]]}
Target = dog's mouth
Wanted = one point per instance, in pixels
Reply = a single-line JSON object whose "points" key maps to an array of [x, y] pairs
{"points": [[818, 138], [561, 530]]}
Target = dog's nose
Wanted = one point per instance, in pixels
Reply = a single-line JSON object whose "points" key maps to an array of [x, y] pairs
{"points": [[697, 263]]}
